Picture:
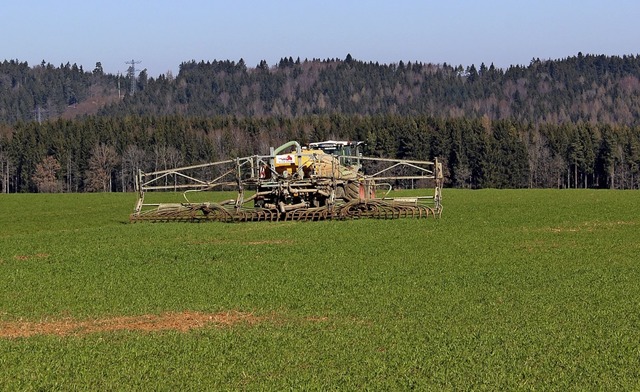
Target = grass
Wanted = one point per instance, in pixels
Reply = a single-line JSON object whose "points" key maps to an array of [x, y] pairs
{"points": [[511, 289]]}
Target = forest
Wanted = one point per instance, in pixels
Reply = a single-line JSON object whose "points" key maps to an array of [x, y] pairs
{"points": [[568, 123]]}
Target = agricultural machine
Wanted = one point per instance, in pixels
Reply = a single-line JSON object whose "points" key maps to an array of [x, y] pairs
{"points": [[326, 180]]}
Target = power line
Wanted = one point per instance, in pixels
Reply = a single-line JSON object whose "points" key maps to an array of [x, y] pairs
{"points": [[39, 112], [131, 73]]}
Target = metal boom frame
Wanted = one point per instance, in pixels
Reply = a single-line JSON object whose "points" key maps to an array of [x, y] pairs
{"points": [[341, 198]]}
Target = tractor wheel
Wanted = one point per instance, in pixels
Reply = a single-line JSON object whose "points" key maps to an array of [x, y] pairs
{"points": [[353, 191]]}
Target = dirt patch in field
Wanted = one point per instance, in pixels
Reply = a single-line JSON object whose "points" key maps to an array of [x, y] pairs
{"points": [[269, 242], [537, 246], [209, 242], [182, 322], [591, 226], [317, 319], [29, 257], [229, 242]]}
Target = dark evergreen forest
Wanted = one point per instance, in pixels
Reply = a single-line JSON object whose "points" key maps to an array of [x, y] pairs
{"points": [[555, 123]]}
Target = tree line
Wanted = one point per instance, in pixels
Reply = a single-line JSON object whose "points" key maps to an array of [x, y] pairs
{"points": [[594, 89], [564, 123], [104, 153]]}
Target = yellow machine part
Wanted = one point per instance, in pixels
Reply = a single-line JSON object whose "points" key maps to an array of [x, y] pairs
{"points": [[315, 162]]}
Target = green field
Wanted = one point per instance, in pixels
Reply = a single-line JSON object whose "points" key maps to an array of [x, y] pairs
{"points": [[511, 289]]}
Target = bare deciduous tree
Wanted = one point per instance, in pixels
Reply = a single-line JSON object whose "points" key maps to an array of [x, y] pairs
{"points": [[133, 159], [4, 172], [173, 160], [46, 175], [173, 157], [101, 165]]}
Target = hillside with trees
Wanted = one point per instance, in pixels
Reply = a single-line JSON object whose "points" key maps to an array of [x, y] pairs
{"points": [[555, 123], [594, 89]]}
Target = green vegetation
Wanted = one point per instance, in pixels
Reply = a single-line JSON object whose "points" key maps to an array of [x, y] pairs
{"points": [[102, 154], [511, 289], [581, 88], [568, 123]]}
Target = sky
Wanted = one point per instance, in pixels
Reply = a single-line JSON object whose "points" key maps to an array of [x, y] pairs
{"points": [[162, 34]]}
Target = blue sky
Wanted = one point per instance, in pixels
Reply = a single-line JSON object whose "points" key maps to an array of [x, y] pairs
{"points": [[163, 33]]}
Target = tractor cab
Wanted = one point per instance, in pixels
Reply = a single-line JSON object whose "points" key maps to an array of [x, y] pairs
{"points": [[341, 149], [338, 148]]}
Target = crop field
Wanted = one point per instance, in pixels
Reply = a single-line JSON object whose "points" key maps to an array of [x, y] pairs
{"points": [[509, 290]]}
